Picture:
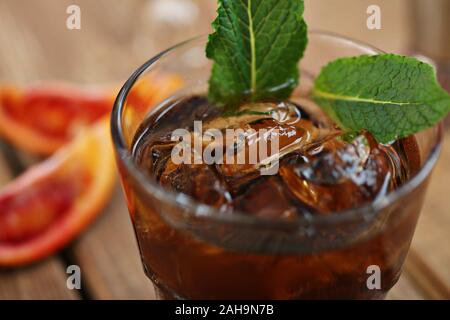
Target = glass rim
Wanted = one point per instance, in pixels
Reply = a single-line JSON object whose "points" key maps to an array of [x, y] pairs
{"points": [[198, 209]]}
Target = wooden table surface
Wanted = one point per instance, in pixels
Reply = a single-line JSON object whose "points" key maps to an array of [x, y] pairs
{"points": [[115, 38]]}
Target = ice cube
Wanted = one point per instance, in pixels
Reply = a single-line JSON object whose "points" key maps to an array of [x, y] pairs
{"points": [[154, 157], [336, 175], [198, 181], [261, 124], [267, 198], [248, 157]]}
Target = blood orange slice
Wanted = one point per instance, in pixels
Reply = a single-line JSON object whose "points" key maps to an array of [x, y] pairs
{"points": [[40, 119], [52, 202]]}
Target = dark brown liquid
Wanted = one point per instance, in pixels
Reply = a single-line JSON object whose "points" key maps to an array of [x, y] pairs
{"points": [[320, 173]]}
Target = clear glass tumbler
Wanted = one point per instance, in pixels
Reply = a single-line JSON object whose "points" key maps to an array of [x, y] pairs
{"points": [[192, 251]]}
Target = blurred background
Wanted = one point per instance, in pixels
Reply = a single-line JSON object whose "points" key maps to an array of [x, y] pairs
{"points": [[117, 36]]}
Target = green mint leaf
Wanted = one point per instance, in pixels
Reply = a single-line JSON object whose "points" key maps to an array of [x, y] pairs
{"points": [[388, 95], [256, 47]]}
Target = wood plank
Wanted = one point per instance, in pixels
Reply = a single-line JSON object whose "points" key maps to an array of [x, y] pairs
{"points": [[406, 289], [109, 257], [5, 173], [426, 277], [430, 265], [45, 280]]}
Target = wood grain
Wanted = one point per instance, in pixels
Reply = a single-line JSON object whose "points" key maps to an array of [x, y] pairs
{"points": [[430, 256], [109, 257], [406, 289], [43, 281]]}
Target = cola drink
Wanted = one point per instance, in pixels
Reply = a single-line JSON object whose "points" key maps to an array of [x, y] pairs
{"points": [[296, 239]]}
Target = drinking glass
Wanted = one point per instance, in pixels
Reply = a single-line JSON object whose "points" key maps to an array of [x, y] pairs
{"points": [[192, 251]]}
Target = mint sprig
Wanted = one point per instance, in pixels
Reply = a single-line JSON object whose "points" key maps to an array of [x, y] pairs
{"points": [[388, 95], [256, 47]]}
